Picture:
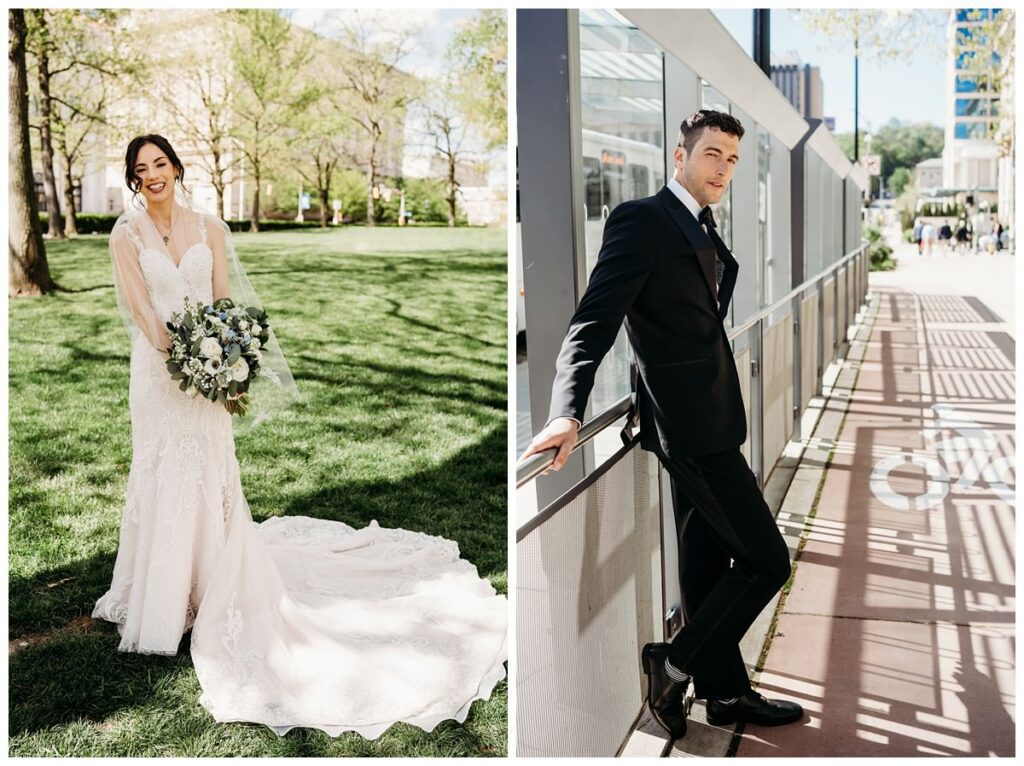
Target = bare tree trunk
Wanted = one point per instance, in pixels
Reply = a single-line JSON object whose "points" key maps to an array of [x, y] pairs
{"points": [[217, 178], [254, 224], [452, 190], [219, 185], [324, 195], [45, 132], [28, 271], [371, 179], [70, 211]]}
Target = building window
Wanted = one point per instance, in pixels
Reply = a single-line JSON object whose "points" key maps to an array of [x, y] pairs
{"points": [[970, 107], [623, 148], [966, 84], [971, 130], [965, 60], [964, 15]]}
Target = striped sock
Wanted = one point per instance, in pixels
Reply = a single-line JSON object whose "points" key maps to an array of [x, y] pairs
{"points": [[674, 673]]}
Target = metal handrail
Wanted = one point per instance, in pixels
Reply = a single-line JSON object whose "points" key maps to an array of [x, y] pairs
{"points": [[534, 465], [735, 332]]}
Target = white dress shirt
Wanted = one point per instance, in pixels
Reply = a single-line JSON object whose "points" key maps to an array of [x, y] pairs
{"points": [[686, 198]]}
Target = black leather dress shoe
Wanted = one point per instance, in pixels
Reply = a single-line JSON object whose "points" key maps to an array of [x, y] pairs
{"points": [[664, 696], [753, 708]]}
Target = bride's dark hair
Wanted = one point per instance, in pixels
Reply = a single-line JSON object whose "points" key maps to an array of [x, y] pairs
{"points": [[130, 157]]}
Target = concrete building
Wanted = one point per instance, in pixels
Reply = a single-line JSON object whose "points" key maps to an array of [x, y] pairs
{"points": [[800, 84], [1004, 136], [928, 174]]}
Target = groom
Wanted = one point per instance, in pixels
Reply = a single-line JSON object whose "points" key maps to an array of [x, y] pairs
{"points": [[666, 272]]}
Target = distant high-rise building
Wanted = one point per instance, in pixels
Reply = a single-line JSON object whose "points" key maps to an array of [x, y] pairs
{"points": [[800, 84], [970, 155]]}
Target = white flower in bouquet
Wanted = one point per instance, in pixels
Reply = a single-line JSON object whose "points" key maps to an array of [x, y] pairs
{"points": [[257, 330], [210, 348], [254, 344], [191, 390], [213, 366], [239, 370]]}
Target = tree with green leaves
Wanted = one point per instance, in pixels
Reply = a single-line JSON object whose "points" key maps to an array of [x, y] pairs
{"points": [[205, 120], [28, 270], [78, 65], [899, 179], [478, 59], [77, 124], [448, 132], [40, 44], [885, 35], [317, 141], [899, 145], [269, 61], [381, 92]]}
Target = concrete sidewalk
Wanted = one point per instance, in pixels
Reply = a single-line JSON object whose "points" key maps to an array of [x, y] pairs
{"points": [[897, 635]]}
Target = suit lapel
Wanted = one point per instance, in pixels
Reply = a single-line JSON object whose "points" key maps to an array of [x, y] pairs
{"points": [[697, 237]]}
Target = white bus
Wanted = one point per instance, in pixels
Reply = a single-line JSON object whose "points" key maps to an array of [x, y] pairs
{"points": [[614, 170]]}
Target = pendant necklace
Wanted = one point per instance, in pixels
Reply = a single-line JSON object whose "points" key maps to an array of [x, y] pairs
{"points": [[166, 237]]}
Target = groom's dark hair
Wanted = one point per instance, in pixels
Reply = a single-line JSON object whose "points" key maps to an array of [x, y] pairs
{"points": [[691, 127]]}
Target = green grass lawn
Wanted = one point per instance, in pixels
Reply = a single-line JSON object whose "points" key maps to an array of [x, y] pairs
{"points": [[397, 340]]}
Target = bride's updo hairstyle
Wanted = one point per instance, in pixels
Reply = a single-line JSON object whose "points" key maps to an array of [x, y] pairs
{"points": [[132, 155]]}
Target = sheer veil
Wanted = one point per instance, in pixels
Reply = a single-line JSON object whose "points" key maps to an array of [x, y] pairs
{"points": [[135, 232]]}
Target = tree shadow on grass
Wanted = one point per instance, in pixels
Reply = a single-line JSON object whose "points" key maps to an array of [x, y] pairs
{"points": [[82, 676]]}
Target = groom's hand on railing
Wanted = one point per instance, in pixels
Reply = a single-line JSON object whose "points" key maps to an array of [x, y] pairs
{"points": [[559, 434]]}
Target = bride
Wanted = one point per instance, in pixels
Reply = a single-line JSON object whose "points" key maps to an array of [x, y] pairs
{"points": [[296, 621]]}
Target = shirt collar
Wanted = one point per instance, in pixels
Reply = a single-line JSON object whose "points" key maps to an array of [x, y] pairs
{"points": [[685, 197]]}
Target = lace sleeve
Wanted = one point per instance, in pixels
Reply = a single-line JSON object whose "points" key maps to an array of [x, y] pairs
{"points": [[132, 287], [218, 239]]}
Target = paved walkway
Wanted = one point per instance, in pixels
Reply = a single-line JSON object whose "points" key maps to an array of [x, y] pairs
{"points": [[898, 633]]}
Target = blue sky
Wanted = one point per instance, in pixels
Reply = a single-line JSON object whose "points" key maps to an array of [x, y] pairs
{"points": [[435, 26], [912, 91]]}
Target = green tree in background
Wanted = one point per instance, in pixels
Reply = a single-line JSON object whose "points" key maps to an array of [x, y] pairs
{"points": [[28, 271], [478, 56], [900, 145], [899, 179], [381, 91], [269, 62], [77, 61]]}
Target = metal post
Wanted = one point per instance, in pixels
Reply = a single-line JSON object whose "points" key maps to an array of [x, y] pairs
{"points": [[798, 362], [757, 445], [856, 97], [762, 40], [550, 155]]}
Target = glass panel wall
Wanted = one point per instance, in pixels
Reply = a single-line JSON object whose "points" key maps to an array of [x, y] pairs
{"points": [[712, 99], [623, 141], [765, 259]]}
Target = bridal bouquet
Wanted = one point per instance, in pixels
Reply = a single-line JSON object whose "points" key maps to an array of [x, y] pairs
{"points": [[215, 351]]}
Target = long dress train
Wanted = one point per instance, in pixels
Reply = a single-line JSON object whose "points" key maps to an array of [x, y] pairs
{"points": [[296, 622]]}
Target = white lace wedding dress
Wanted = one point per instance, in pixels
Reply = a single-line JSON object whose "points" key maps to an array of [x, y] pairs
{"points": [[296, 622]]}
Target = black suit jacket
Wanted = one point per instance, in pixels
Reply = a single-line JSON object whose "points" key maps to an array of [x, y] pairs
{"points": [[656, 270]]}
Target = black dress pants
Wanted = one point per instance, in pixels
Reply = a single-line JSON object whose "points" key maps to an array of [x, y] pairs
{"points": [[732, 561]]}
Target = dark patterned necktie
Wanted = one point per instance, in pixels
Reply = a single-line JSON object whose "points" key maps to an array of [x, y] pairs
{"points": [[725, 284]]}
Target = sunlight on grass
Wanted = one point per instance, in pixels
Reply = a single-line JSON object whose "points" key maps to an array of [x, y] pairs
{"points": [[396, 338]]}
